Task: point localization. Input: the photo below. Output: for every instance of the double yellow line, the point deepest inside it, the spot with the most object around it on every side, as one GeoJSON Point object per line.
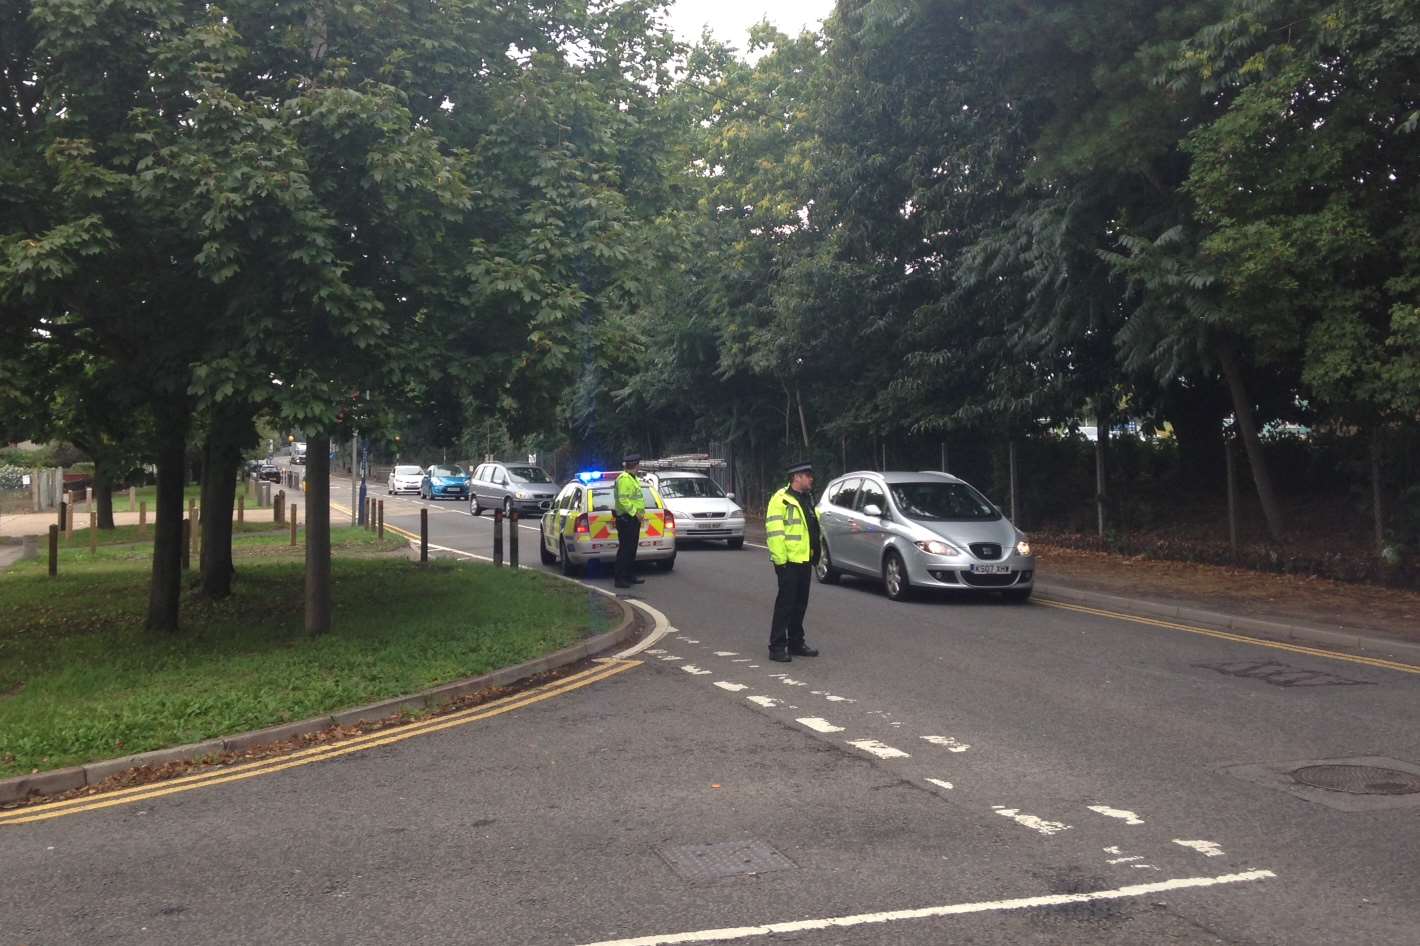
{"type": "Point", "coordinates": [237, 773]}
{"type": "Point", "coordinates": [1239, 638]}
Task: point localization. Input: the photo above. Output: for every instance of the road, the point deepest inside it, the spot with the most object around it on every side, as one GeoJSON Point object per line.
{"type": "Point", "coordinates": [948, 771]}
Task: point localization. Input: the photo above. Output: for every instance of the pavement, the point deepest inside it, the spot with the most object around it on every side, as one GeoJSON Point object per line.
{"type": "Point", "coordinates": [959, 770]}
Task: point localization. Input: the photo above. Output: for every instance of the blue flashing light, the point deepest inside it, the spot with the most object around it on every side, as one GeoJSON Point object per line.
{"type": "Point", "coordinates": [589, 476]}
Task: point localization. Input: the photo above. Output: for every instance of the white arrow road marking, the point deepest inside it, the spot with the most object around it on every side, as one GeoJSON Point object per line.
{"type": "Point", "coordinates": [947, 742]}
{"type": "Point", "coordinates": [765, 701]}
{"type": "Point", "coordinates": [732, 687]}
{"type": "Point", "coordinates": [691, 668]}
{"type": "Point", "coordinates": [923, 913]}
{"type": "Point", "coordinates": [819, 725]}
{"type": "Point", "coordinates": [1046, 828]}
{"type": "Point", "coordinates": [1128, 817]}
{"type": "Point", "coordinates": [1206, 848]}
{"type": "Point", "coordinates": [873, 747]}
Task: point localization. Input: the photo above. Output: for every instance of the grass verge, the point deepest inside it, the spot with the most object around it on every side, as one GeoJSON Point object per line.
{"type": "Point", "coordinates": [80, 680]}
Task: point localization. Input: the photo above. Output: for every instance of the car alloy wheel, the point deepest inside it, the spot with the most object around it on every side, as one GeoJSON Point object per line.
{"type": "Point", "coordinates": [547, 557]}
{"type": "Point", "coordinates": [568, 568]}
{"type": "Point", "coordinates": [895, 577]}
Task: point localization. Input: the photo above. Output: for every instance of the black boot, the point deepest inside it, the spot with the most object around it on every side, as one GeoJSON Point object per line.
{"type": "Point", "coordinates": [779, 654]}
{"type": "Point", "coordinates": [801, 649]}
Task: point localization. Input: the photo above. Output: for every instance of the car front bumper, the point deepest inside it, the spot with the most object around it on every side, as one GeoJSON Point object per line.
{"type": "Point", "coordinates": [449, 492]}
{"type": "Point", "coordinates": [954, 573]}
{"type": "Point", "coordinates": [688, 528]}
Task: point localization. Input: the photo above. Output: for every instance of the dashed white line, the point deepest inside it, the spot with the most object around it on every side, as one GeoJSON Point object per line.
{"type": "Point", "coordinates": [1046, 828]}
{"type": "Point", "coordinates": [726, 653]}
{"type": "Point", "coordinates": [732, 687]}
{"type": "Point", "coordinates": [1206, 848]}
{"type": "Point", "coordinates": [768, 702]}
{"type": "Point", "coordinates": [792, 683]}
{"type": "Point", "coordinates": [742, 660]}
{"type": "Point", "coordinates": [818, 724]}
{"type": "Point", "coordinates": [671, 657]}
{"type": "Point", "coordinates": [922, 913]}
{"type": "Point", "coordinates": [882, 751]}
{"type": "Point", "coordinates": [1128, 817]}
{"type": "Point", "coordinates": [692, 669]}
{"type": "Point", "coordinates": [947, 742]}
{"type": "Point", "coordinates": [940, 783]}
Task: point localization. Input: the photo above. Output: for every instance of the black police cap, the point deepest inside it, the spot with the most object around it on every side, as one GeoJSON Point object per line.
{"type": "Point", "coordinates": [799, 468]}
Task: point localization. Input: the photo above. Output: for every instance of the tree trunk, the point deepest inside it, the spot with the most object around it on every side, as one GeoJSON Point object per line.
{"type": "Point", "coordinates": [1103, 419]}
{"type": "Point", "coordinates": [222, 456]}
{"type": "Point", "coordinates": [1252, 444]}
{"type": "Point", "coordinates": [103, 492]}
{"type": "Point", "coordinates": [165, 589]}
{"type": "Point", "coordinates": [318, 535]}
{"type": "Point", "coordinates": [803, 424]}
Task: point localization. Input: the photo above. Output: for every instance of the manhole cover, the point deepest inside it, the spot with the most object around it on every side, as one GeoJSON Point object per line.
{"type": "Point", "coordinates": [1358, 779]}
{"type": "Point", "coordinates": [728, 859]}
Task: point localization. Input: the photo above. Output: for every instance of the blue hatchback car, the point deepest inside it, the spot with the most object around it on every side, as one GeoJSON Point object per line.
{"type": "Point", "coordinates": [444, 481]}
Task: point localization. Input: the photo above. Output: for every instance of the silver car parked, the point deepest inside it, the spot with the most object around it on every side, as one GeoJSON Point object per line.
{"type": "Point", "coordinates": [520, 486]}
{"type": "Point", "coordinates": [920, 530]}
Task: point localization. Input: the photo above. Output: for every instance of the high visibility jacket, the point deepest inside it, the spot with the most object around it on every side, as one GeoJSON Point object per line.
{"type": "Point", "coordinates": [786, 529]}
{"type": "Point", "coordinates": [630, 501]}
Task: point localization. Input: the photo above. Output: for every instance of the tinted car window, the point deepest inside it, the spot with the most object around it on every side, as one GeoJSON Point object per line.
{"type": "Point", "coordinates": [604, 498]}
{"type": "Point", "coordinates": [407, 471]}
{"type": "Point", "coordinates": [845, 494]}
{"type": "Point", "coordinates": [870, 494]}
{"type": "Point", "coordinates": [446, 471]}
{"type": "Point", "coordinates": [529, 474]}
{"type": "Point", "coordinates": [690, 487]}
{"type": "Point", "coordinates": [939, 502]}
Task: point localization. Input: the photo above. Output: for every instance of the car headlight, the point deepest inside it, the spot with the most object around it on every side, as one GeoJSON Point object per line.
{"type": "Point", "coordinates": [1022, 547]}
{"type": "Point", "coordinates": [521, 494]}
{"type": "Point", "coordinates": [936, 547]}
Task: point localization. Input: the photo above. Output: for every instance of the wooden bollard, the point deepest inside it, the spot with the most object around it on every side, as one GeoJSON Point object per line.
{"type": "Point", "coordinates": [380, 514]}
{"type": "Point", "coordinates": [142, 517]}
{"type": "Point", "coordinates": [513, 539]}
{"type": "Point", "coordinates": [241, 509]}
{"type": "Point", "coordinates": [186, 544]}
{"type": "Point", "coordinates": [132, 498]}
{"type": "Point", "coordinates": [197, 533]}
{"type": "Point", "coordinates": [93, 532]}
{"type": "Point", "coordinates": [53, 550]}
{"type": "Point", "coordinates": [278, 507]}
{"type": "Point", "coordinates": [498, 537]}
{"type": "Point", "coordinates": [63, 512]}
{"type": "Point", "coordinates": [370, 514]}
{"type": "Point", "coordinates": [423, 533]}
{"type": "Point", "coordinates": [295, 514]}
{"type": "Point", "coordinates": [69, 523]}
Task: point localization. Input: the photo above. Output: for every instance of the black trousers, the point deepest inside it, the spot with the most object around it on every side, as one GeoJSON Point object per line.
{"type": "Point", "coordinates": [790, 604]}
{"type": "Point", "coordinates": [628, 537]}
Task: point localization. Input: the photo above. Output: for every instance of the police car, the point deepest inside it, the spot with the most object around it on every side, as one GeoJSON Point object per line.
{"type": "Point", "coordinates": [581, 525]}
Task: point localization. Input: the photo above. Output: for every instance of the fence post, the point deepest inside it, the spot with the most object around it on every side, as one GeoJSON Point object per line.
{"type": "Point", "coordinates": [69, 521]}
{"type": "Point", "coordinates": [241, 509]}
{"type": "Point", "coordinates": [63, 508]}
{"type": "Point", "coordinates": [380, 512]}
{"type": "Point", "coordinates": [53, 550]}
{"type": "Point", "coordinates": [186, 544]}
{"type": "Point", "coordinates": [423, 534]}
{"type": "Point", "coordinates": [513, 539]}
{"type": "Point", "coordinates": [132, 498]}
{"type": "Point", "coordinates": [295, 514]}
{"type": "Point", "coordinates": [93, 532]}
{"type": "Point", "coordinates": [143, 517]}
{"type": "Point", "coordinates": [498, 536]}
{"type": "Point", "coordinates": [278, 507]}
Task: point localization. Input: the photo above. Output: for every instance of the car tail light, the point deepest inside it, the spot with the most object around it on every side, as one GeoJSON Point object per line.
{"type": "Point", "coordinates": [670, 520]}
{"type": "Point", "coordinates": [583, 526]}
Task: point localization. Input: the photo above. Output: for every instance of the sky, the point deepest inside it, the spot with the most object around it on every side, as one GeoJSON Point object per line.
{"type": "Point", "coordinates": [730, 20]}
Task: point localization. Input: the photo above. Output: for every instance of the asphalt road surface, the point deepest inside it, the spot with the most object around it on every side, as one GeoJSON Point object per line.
{"type": "Point", "coordinates": [948, 771]}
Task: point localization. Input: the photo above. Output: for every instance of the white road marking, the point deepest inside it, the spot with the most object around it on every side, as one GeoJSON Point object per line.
{"type": "Point", "coordinates": [831, 697]}
{"type": "Point", "coordinates": [1206, 848]}
{"type": "Point", "coordinates": [873, 747]}
{"type": "Point", "coordinates": [819, 725]}
{"type": "Point", "coordinates": [690, 640]}
{"type": "Point", "coordinates": [726, 653]}
{"type": "Point", "coordinates": [754, 666]}
{"type": "Point", "coordinates": [671, 657]}
{"type": "Point", "coordinates": [940, 784]}
{"type": "Point", "coordinates": [1128, 817]}
{"type": "Point", "coordinates": [1145, 867]}
{"type": "Point", "coordinates": [656, 650]}
{"type": "Point", "coordinates": [777, 676]}
{"type": "Point", "coordinates": [1046, 828]}
{"type": "Point", "coordinates": [1125, 860]}
{"type": "Point", "coordinates": [923, 913]}
{"type": "Point", "coordinates": [947, 742]}
{"type": "Point", "coordinates": [691, 668]}
{"type": "Point", "coordinates": [768, 702]}
{"type": "Point", "coordinates": [742, 660]}
{"type": "Point", "coordinates": [732, 687]}
{"type": "Point", "coordinates": [793, 683]}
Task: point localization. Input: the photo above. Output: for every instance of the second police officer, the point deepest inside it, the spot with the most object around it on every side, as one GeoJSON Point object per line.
{"type": "Point", "coordinates": [630, 508]}
{"type": "Point", "coordinates": [792, 533]}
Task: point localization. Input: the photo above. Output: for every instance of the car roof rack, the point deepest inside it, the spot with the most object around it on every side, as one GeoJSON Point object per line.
{"type": "Point", "coordinates": [688, 462]}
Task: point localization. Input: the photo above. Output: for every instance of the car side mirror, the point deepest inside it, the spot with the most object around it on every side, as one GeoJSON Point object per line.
{"type": "Point", "coordinates": [874, 510]}
{"type": "Point", "coordinates": [729, 495]}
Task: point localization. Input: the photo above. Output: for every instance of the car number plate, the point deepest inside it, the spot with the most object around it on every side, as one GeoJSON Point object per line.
{"type": "Point", "coordinates": [990, 569]}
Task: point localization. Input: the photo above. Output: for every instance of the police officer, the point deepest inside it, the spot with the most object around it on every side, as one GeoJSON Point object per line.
{"type": "Point", "coordinates": [791, 528]}
{"type": "Point", "coordinates": [630, 509]}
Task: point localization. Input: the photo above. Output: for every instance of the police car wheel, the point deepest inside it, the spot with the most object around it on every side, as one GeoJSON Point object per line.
{"type": "Point", "coordinates": [568, 567]}
{"type": "Point", "coordinates": [666, 564]}
{"type": "Point", "coordinates": [547, 557]}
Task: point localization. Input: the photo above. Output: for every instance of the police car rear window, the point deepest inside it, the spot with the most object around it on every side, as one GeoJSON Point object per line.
{"type": "Point", "coordinates": [604, 499]}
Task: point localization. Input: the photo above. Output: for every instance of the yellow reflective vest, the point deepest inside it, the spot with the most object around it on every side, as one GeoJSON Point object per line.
{"type": "Point", "coordinates": [630, 501]}
{"type": "Point", "coordinates": [786, 529]}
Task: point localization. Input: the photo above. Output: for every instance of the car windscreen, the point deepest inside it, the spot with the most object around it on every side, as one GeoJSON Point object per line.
{"type": "Point", "coordinates": [446, 471]}
{"type": "Point", "coordinates": [604, 498]}
{"type": "Point", "coordinates": [528, 474]}
{"type": "Point", "coordinates": [407, 471]}
{"type": "Point", "coordinates": [690, 487]}
{"type": "Point", "coordinates": [942, 502]}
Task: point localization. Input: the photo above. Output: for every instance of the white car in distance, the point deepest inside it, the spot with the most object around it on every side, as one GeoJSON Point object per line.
{"type": "Point", "coordinates": [404, 479]}
{"type": "Point", "coordinates": [702, 509]}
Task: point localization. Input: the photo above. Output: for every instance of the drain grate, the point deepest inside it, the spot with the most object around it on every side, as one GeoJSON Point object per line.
{"type": "Point", "coordinates": [1358, 779]}
{"type": "Point", "coordinates": [698, 862]}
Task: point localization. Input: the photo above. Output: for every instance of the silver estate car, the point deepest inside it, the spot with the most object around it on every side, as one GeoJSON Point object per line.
{"type": "Point", "coordinates": [920, 530]}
